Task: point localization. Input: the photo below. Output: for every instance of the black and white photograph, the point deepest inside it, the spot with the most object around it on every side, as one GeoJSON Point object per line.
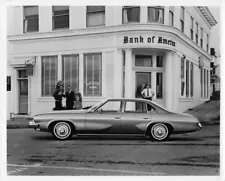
{"type": "Point", "coordinates": [112, 89]}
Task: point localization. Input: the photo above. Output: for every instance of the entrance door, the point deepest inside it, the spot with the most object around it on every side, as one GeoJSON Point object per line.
{"type": "Point", "coordinates": [142, 78]}
{"type": "Point", "coordinates": [23, 92]}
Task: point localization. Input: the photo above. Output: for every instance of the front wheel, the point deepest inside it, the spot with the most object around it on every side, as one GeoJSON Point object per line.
{"type": "Point", "coordinates": [159, 132]}
{"type": "Point", "coordinates": [62, 131]}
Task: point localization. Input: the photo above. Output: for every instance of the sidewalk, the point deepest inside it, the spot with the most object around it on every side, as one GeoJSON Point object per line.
{"type": "Point", "coordinates": [21, 122]}
{"type": "Point", "coordinates": [207, 113]}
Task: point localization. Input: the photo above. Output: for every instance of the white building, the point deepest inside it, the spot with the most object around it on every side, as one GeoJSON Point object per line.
{"type": "Point", "coordinates": [108, 51]}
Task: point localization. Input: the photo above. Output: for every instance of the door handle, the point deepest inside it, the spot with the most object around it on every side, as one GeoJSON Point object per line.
{"type": "Point", "coordinates": [145, 118]}
{"type": "Point", "coordinates": [117, 117]}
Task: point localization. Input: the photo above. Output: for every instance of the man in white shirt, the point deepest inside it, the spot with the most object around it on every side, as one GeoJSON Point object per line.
{"type": "Point", "coordinates": [147, 93]}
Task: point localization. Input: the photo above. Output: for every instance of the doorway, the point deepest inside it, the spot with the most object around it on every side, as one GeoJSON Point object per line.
{"type": "Point", "coordinates": [142, 78]}
{"type": "Point", "coordinates": [23, 91]}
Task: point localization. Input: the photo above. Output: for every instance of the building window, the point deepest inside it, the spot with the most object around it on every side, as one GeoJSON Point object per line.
{"type": "Point", "coordinates": [159, 85]}
{"type": "Point", "coordinates": [182, 67]}
{"type": "Point", "coordinates": [182, 19]}
{"type": "Point", "coordinates": [95, 16]}
{"type": "Point", "coordinates": [201, 81]}
{"type": "Point", "coordinates": [159, 61]}
{"type": "Point", "coordinates": [143, 60]}
{"type": "Point", "coordinates": [156, 14]}
{"type": "Point", "coordinates": [191, 29]}
{"type": "Point", "coordinates": [60, 17]}
{"type": "Point", "coordinates": [205, 83]}
{"type": "Point", "coordinates": [187, 78]}
{"type": "Point", "coordinates": [201, 37]}
{"type": "Point", "coordinates": [192, 79]}
{"type": "Point", "coordinates": [196, 33]}
{"type": "Point", "coordinates": [93, 74]}
{"type": "Point", "coordinates": [70, 71]}
{"type": "Point", "coordinates": [182, 76]}
{"type": "Point", "coordinates": [49, 74]}
{"type": "Point", "coordinates": [171, 16]}
{"type": "Point", "coordinates": [30, 19]}
{"type": "Point", "coordinates": [207, 45]}
{"type": "Point", "coordinates": [131, 14]}
{"type": "Point", "coordinates": [8, 83]}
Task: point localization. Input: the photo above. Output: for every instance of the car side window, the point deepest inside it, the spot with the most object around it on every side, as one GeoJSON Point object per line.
{"type": "Point", "coordinates": [151, 109]}
{"type": "Point", "coordinates": [135, 107]}
{"type": "Point", "coordinates": [110, 106]}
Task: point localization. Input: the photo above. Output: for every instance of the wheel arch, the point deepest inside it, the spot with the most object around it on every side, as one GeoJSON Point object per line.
{"type": "Point", "coordinates": [149, 126]}
{"type": "Point", "coordinates": [53, 122]}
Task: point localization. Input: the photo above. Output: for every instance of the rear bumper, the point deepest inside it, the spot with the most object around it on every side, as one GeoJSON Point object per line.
{"type": "Point", "coordinates": [32, 124]}
{"type": "Point", "coordinates": [199, 126]}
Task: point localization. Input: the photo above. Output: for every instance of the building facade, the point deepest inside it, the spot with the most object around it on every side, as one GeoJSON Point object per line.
{"type": "Point", "coordinates": [108, 51]}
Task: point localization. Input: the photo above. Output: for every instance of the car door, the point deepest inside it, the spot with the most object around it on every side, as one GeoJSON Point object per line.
{"type": "Point", "coordinates": [106, 119]}
{"type": "Point", "coordinates": [134, 117]}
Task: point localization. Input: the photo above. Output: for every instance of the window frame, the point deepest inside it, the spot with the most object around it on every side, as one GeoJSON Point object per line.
{"type": "Point", "coordinates": [187, 80]}
{"type": "Point", "coordinates": [42, 80]}
{"type": "Point", "coordinates": [100, 75]}
{"type": "Point", "coordinates": [63, 67]}
{"type": "Point", "coordinates": [191, 79]}
{"type": "Point", "coordinates": [143, 57]}
{"type": "Point", "coordinates": [207, 45]}
{"type": "Point", "coordinates": [182, 19]}
{"type": "Point", "coordinates": [100, 107]}
{"type": "Point", "coordinates": [95, 12]}
{"type": "Point", "coordinates": [31, 18]}
{"type": "Point", "coordinates": [201, 41]}
{"type": "Point", "coordinates": [171, 17]}
{"type": "Point", "coordinates": [135, 102]}
{"type": "Point", "coordinates": [159, 8]}
{"type": "Point", "coordinates": [8, 83]}
{"type": "Point", "coordinates": [162, 95]}
{"type": "Point", "coordinates": [196, 33]}
{"type": "Point", "coordinates": [54, 16]}
{"type": "Point", "coordinates": [130, 7]}
{"type": "Point", "coordinates": [192, 28]}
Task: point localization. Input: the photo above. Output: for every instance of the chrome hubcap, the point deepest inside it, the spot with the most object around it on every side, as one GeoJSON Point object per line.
{"type": "Point", "coordinates": [159, 131]}
{"type": "Point", "coordinates": [62, 130]}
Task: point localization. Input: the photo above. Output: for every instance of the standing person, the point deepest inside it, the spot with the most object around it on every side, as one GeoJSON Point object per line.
{"type": "Point", "coordinates": [143, 86]}
{"type": "Point", "coordinates": [77, 93]}
{"type": "Point", "coordinates": [58, 94]}
{"type": "Point", "coordinates": [147, 93]}
{"type": "Point", "coordinates": [70, 97]}
{"type": "Point", "coordinates": [139, 95]}
{"type": "Point", "coordinates": [77, 103]}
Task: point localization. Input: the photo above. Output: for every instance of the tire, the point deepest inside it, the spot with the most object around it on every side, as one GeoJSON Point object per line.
{"type": "Point", "coordinates": [62, 131]}
{"type": "Point", "coordinates": [159, 132]}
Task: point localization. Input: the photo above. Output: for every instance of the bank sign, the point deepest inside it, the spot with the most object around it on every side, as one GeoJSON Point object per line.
{"type": "Point", "coordinates": [146, 40]}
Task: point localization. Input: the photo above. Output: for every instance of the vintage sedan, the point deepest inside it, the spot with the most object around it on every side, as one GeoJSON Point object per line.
{"type": "Point", "coordinates": [138, 117]}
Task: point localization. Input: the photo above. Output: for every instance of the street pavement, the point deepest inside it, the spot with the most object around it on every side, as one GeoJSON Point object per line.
{"type": "Point", "coordinates": [31, 152]}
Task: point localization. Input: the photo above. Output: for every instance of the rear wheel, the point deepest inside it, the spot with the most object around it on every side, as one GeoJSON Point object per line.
{"type": "Point", "coordinates": [159, 132]}
{"type": "Point", "coordinates": [62, 131]}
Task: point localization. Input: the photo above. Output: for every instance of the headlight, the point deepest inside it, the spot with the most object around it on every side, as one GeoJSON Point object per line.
{"type": "Point", "coordinates": [200, 125]}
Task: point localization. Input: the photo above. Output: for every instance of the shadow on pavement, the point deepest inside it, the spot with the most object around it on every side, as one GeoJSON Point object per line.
{"type": "Point", "coordinates": [117, 138]}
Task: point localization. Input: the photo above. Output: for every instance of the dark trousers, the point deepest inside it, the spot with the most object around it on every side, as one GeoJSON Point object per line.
{"type": "Point", "coordinates": [58, 105]}
{"type": "Point", "coordinates": [69, 106]}
{"type": "Point", "coordinates": [149, 106]}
